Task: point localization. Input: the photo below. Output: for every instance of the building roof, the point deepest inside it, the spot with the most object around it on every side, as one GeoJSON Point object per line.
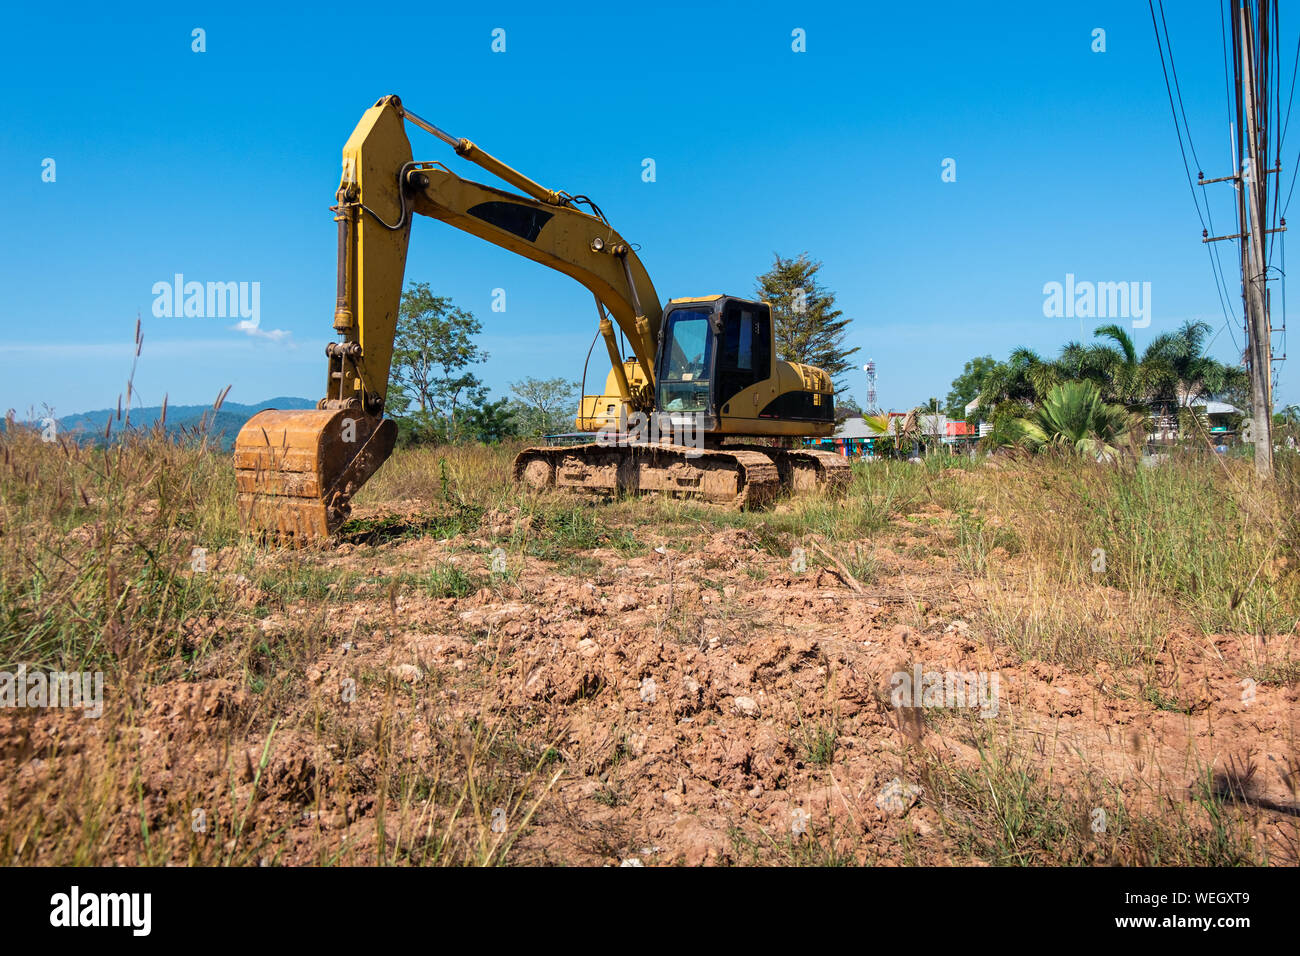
{"type": "Point", "coordinates": [1211, 407]}
{"type": "Point", "coordinates": [856, 427]}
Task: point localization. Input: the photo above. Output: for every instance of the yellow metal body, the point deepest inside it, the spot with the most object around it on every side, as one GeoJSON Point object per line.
{"type": "Point", "coordinates": [296, 471]}
{"type": "Point", "coordinates": [604, 410]}
{"type": "Point", "coordinates": [563, 241]}
{"type": "Point", "coordinates": [373, 155]}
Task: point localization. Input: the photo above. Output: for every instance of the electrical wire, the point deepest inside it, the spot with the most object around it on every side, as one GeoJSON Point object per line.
{"type": "Point", "coordinates": [590, 349]}
{"type": "Point", "coordinates": [1220, 286]}
{"type": "Point", "coordinates": [1287, 124]}
{"type": "Point", "coordinates": [1216, 264]}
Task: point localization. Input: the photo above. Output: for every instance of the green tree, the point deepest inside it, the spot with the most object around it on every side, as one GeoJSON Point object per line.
{"type": "Point", "coordinates": [1112, 365]}
{"type": "Point", "coordinates": [432, 352]}
{"type": "Point", "coordinates": [886, 445]}
{"type": "Point", "coordinates": [544, 406]}
{"type": "Point", "coordinates": [806, 325]}
{"type": "Point", "coordinates": [1020, 380]}
{"type": "Point", "coordinates": [968, 385]}
{"type": "Point", "coordinates": [846, 406]}
{"type": "Point", "coordinates": [1172, 373]}
{"type": "Point", "coordinates": [490, 422]}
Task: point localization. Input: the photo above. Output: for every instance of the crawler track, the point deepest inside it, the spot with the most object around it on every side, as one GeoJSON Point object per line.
{"type": "Point", "coordinates": [804, 469]}
{"type": "Point", "coordinates": [741, 476]}
{"type": "Point", "coordinates": [738, 478]}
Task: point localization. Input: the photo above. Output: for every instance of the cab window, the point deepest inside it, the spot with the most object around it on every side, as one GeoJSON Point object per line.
{"type": "Point", "coordinates": [688, 353]}
{"type": "Point", "coordinates": [745, 356]}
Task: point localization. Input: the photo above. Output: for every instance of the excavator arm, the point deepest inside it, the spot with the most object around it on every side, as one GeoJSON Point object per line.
{"type": "Point", "coordinates": [296, 471]}
{"type": "Point", "coordinates": [382, 187]}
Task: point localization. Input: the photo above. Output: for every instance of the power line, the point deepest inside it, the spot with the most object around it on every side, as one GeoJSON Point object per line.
{"type": "Point", "coordinates": [1216, 266]}
{"type": "Point", "coordinates": [1281, 125]}
{"type": "Point", "coordinates": [1177, 89]}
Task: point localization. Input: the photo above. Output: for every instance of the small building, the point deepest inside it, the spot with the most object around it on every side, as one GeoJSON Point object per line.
{"type": "Point", "coordinates": [854, 438]}
{"type": "Point", "coordinates": [1222, 417]}
{"type": "Point", "coordinates": [941, 433]}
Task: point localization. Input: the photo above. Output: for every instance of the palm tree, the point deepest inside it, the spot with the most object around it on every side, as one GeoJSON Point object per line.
{"type": "Point", "coordinates": [1172, 371]}
{"type": "Point", "coordinates": [905, 430]}
{"type": "Point", "coordinates": [908, 428]}
{"type": "Point", "coordinates": [1179, 371]}
{"type": "Point", "coordinates": [1021, 379]}
{"type": "Point", "coordinates": [1118, 366]}
{"type": "Point", "coordinates": [1075, 416]}
{"type": "Point", "coordinates": [1176, 373]}
{"type": "Point", "coordinates": [879, 423]}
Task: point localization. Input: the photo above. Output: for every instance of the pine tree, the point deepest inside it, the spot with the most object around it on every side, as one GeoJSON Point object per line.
{"type": "Point", "coordinates": [806, 325]}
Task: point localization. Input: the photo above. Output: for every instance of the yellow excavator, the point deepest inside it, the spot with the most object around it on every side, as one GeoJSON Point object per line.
{"type": "Point", "coordinates": [702, 408]}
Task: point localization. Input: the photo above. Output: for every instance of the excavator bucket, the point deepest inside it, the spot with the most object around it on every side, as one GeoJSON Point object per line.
{"type": "Point", "coordinates": [296, 471]}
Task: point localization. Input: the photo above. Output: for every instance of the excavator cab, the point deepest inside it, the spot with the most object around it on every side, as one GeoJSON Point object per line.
{"type": "Point", "coordinates": [713, 350]}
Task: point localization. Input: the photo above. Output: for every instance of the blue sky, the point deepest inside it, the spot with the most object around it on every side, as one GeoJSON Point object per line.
{"type": "Point", "coordinates": [222, 165]}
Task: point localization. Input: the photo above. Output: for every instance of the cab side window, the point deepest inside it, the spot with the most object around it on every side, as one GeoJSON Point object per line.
{"type": "Point", "coordinates": [746, 354]}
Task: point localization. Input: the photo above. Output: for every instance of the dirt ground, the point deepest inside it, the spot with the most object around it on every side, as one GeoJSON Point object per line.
{"type": "Point", "coordinates": [706, 699]}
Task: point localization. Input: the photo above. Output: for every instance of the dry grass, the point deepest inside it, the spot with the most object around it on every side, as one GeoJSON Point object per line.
{"type": "Point", "coordinates": [99, 572]}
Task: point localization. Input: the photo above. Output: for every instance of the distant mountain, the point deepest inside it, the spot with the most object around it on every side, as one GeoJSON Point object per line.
{"type": "Point", "coordinates": [176, 414]}
{"type": "Point", "coordinates": [223, 425]}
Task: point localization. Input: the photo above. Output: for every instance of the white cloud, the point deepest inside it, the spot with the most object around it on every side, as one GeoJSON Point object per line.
{"type": "Point", "coordinates": [253, 328]}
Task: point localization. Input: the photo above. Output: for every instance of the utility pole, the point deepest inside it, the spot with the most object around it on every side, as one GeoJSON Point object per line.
{"type": "Point", "coordinates": [1259, 352]}
{"type": "Point", "coordinates": [1251, 183]}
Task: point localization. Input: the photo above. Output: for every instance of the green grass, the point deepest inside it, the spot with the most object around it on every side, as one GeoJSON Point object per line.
{"type": "Point", "coordinates": [1281, 674]}
{"type": "Point", "coordinates": [563, 529]}
{"type": "Point", "coordinates": [448, 581]}
{"type": "Point", "coordinates": [819, 743]}
{"type": "Point", "coordinates": [977, 540]}
{"type": "Point", "coordinates": [446, 522]}
{"type": "Point", "coordinates": [95, 558]}
{"type": "Point", "coordinates": [823, 843]}
{"type": "Point", "coordinates": [1198, 531]}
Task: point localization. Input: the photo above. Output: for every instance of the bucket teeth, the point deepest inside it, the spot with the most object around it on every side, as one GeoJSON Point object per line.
{"type": "Point", "coordinates": [296, 471]}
